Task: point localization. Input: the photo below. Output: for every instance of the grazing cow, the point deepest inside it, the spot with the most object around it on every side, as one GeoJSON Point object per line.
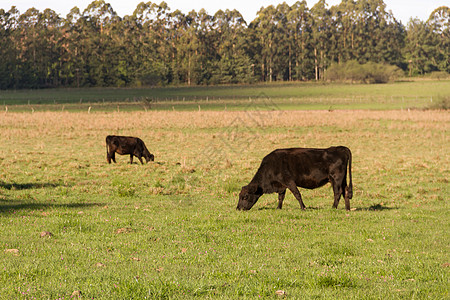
{"type": "Point", "coordinates": [127, 145]}
{"type": "Point", "coordinates": [307, 168]}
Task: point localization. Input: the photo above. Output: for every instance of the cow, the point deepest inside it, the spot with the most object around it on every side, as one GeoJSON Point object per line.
{"type": "Point", "coordinates": [127, 145]}
{"type": "Point", "coordinates": [300, 167]}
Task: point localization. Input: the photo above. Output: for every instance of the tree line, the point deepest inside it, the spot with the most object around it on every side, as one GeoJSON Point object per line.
{"type": "Point", "coordinates": [158, 46]}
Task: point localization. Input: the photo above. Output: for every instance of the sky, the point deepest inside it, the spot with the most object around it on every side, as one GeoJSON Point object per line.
{"type": "Point", "coordinates": [403, 10]}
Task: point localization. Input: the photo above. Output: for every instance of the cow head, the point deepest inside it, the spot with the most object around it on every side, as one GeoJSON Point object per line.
{"type": "Point", "coordinates": [248, 196]}
{"type": "Point", "coordinates": [148, 156]}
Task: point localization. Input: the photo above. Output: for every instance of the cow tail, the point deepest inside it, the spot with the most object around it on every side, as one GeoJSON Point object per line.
{"type": "Point", "coordinates": [107, 149]}
{"type": "Point", "coordinates": [350, 185]}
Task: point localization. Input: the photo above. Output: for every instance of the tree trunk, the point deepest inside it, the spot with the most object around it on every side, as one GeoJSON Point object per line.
{"type": "Point", "coordinates": [322, 64]}
{"type": "Point", "coordinates": [263, 72]}
{"type": "Point", "coordinates": [290, 64]}
{"type": "Point", "coordinates": [316, 66]}
{"type": "Point", "coordinates": [189, 70]}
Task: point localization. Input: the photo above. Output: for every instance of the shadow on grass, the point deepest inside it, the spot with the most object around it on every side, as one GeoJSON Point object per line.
{"type": "Point", "coordinates": [9, 206]}
{"type": "Point", "coordinates": [267, 207]}
{"type": "Point", "coordinates": [137, 162]}
{"type": "Point", "coordinates": [28, 186]}
{"type": "Point", "coordinates": [376, 207]}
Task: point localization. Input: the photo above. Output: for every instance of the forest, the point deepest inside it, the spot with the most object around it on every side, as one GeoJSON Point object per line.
{"type": "Point", "coordinates": [158, 46]}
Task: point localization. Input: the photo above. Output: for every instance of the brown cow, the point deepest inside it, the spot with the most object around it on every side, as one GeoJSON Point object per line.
{"type": "Point", "coordinates": [127, 145]}
{"type": "Point", "coordinates": [307, 168]}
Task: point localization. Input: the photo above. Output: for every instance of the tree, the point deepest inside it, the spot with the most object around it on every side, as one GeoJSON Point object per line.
{"type": "Point", "coordinates": [417, 49]}
{"type": "Point", "coordinates": [8, 52]}
{"type": "Point", "coordinates": [321, 36]}
{"type": "Point", "coordinates": [380, 36]}
{"type": "Point", "coordinates": [150, 34]}
{"type": "Point", "coordinates": [99, 49]}
{"type": "Point", "coordinates": [269, 32]}
{"type": "Point", "coordinates": [439, 22]}
{"type": "Point", "coordinates": [365, 31]}
{"type": "Point", "coordinates": [155, 46]}
{"type": "Point", "coordinates": [232, 63]}
{"type": "Point", "coordinates": [344, 18]}
{"type": "Point", "coordinates": [301, 63]}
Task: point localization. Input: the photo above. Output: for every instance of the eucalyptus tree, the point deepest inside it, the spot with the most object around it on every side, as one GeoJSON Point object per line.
{"type": "Point", "coordinates": [177, 24]}
{"type": "Point", "coordinates": [205, 51]}
{"type": "Point", "coordinates": [282, 64]}
{"type": "Point", "coordinates": [439, 23]}
{"type": "Point", "coordinates": [152, 43]}
{"type": "Point", "coordinates": [427, 46]}
{"type": "Point", "coordinates": [321, 32]}
{"type": "Point", "coordinates": [51, 34]}
{"type": "Point", "coordinates": [380, 36]}
{"type": "Point", "coordinates": [230, 44]}
{"type": "Point", "coordinates": [344, 18]}
{"type": "Point", "coordinates": [300, 63]}
{"type": "Point", "coordinates": [73, 53]}
{"type": "Point", "coordinates": [187, 48]}
{"type": "Point", "coordinates": [417, 50]}
{"type": "Point", "coordinates": [365, 31]}
{"type": "Point", "coordinates": [99, 48]}
{"type": "Point", "coordinates": [155, 46]}
{"type": "Point", "coordinates": [36, 39]}
{"type": "Point", "coordinates": [265, 31]}
{"type": "Point", "coordinates": [28, 44]}
{"type": "Point", "coordinates": [8, 48]}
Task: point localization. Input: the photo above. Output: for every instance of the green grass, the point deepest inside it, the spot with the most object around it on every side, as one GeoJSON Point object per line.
{"type": "Point", "coordinates": [408, 94]}
{"type": "Point", "coordinates": [169, 229]}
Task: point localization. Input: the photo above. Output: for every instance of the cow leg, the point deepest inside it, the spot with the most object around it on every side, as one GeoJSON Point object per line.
{"type": "Point", "coordinates": [108, 158]}
{"type": "Point", "coordinates": [113, 156]}
{"type": "Point", "coordinates": [345, 193]}
{"type": "Point", "coordinates": [281, 198]}
{"type": "Point", "coordinates": [131, 158]}
{"type": "Point", "coordinates": [347, 202]}
{"type": "Point", "coordinates": [338, 190]}
{"type": "Point", "coordinates": [140, 159]}
{"type": "Point", "coordinates": [294, 190]}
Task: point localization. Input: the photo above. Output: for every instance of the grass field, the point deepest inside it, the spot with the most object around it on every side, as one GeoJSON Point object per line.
{"type": "Point", "coordinates": [286, 96]}
{"type": "Point", "coordinates": [169, 229]}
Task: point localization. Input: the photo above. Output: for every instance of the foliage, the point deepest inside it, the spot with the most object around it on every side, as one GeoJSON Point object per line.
{"type": "Point", "coordinates": [439, 75]}
{"type": "Point", "coordinates": [364, 73]}
{"type": "Point", "coordinates": [427, 43]}
{"type": "Point", "coordinates": [442, 102]}
{"type": "Point", "coordinates": [156, 46]}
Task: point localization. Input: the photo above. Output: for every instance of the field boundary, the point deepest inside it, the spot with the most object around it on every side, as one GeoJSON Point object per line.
{"type": "Point", "coordinates": [146, 104]}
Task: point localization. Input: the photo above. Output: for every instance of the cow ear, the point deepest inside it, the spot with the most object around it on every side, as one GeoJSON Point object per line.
{"type": "Point", "coordinates": [250, 189]}
{"type": "Point", "coordinates": [254, 189]}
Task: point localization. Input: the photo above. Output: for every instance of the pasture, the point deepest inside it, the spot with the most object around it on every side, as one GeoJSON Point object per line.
{"type": "Point", "coordinates": [285, 96]}
{"type": "Point", "coordinates": [169, 229]}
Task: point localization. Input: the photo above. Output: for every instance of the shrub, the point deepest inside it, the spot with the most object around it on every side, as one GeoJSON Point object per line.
{"type": "Point", "coordinates": [439, 75]}
{"type": "Point", "coordinates": [362, 73]}
{"type": "Point", "coordinates": [443, 102]}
